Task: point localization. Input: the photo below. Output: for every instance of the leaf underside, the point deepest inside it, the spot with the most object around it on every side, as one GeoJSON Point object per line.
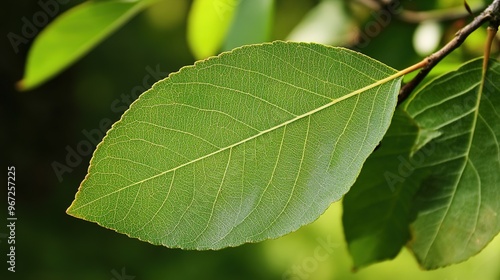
{"type": "Point", "coordinates": [246, 146]}
{"type": "Point", "coordinates": [377, 210]}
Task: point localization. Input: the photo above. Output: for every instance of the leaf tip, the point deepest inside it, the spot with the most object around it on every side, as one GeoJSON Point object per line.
{"type": "Point", "coordinates": [69, 210]}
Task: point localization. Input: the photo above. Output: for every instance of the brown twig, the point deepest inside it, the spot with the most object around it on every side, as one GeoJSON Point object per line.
{"type": "Point", "coordinates": [448, 14]}
{"type": "Point", "coordinates": [491, 13]}
{"type": "Point", "coordinates": [437, 15]}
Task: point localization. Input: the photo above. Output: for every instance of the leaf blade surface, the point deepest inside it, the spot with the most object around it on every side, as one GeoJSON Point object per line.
{"type": "Point", "coordinates": [377, 211]}
{"type": "Point", "coordinates": [242, 147]}
{"type": "Point", "coordinates": [73, 34]}
{"type": "Point", "coordinates": [459, 201]}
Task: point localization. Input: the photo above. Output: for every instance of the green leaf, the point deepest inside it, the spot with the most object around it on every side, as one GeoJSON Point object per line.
{"type": "Point", "coordinates": [242, 147]}
{"type": "Point", "coordinates": [377, 210]}
{"type": "Point", "coordinates": [208, 23]}
{"type": "Point", "coordinates": [251, 24]}
{"type": "Point", "coordinates": [459, 202]}
{"type": "Point", "coordinates": [71, 35]}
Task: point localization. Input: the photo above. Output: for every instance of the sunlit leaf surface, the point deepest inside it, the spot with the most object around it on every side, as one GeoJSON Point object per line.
{"type": "Point", "coordinates": [73, 34]}
{"type": "Point", "coordinates": [242, 147]}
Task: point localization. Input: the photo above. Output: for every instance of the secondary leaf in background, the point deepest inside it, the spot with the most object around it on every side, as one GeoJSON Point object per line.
{"type": "Point", "coordinates": [242, 147]}
{"type": "Point", "coordinates": [208, 23]}
{"type": "Point", "coordinates": [251, 24]}
{"type": "Point", "coordinates": [377, 210]}
{"type": "Point", "coordinates": [459, 203]}
{"type": "Point", "coordinates": [327, 23]}
{"type": "Point", "coordinates": [73, 34]}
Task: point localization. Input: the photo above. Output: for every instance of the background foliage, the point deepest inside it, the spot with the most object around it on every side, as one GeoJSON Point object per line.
{"type": "Point", "coordinates": [44, 124]}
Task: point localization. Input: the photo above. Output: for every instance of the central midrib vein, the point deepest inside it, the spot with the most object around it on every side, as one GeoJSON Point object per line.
{"type": "Point", "coordinates": [297, 118]}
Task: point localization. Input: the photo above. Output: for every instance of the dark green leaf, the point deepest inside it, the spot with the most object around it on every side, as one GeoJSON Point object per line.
{"type": "Point", "coordinates": [377, 210]}
{"type": "Point", "coordinates": [459, 202]}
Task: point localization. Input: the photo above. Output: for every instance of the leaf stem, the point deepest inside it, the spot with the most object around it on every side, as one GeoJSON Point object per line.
{"type": "Point", "coordinates": [491, 13]}
{"type": "Point", "coordinates": [414, 67]}
{"type": "Point", "coordinates": [492, 32]}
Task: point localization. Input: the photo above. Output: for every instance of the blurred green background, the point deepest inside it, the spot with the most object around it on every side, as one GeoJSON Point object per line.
{"type": "Point", "coordinates": [42, 125]}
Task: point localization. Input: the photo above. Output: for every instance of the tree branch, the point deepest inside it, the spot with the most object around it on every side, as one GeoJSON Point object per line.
{"type": "Point", "coordinates": [438, 15]}
{"type": "Point", "coordinates": [410, 16]}
{"type": "Point", "coordinates": [491, 13]}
